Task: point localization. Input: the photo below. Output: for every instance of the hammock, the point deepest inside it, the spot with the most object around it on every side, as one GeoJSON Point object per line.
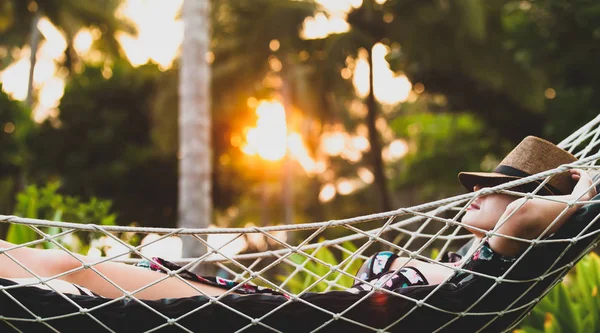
{"type": "Point", "coordinates": [312, 271]}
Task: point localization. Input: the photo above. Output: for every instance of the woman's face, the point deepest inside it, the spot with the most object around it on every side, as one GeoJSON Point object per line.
{"type": "Point", "coordinates": [486, 210]}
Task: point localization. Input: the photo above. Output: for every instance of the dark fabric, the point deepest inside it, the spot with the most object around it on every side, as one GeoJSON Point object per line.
{"type": "Point", "coordinates": [464, 292]}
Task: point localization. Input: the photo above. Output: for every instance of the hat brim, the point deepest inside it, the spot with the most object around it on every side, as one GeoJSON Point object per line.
{"type": "Point", "coordinates": [489, 179]}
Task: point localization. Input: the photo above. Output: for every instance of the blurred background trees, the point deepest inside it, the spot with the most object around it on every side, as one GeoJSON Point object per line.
{"type": "Point", "coordinates": [455, 84]}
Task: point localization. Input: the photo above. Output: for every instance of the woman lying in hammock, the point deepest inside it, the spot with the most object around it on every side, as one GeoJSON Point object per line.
{"type": "Point", "coordinates": [516, 216]}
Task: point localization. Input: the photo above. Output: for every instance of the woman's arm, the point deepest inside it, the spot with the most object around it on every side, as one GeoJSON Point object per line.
{"type": "Point", "coordinates": [530, 218]}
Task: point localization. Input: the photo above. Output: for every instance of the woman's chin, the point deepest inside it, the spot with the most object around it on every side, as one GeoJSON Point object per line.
{"type": "Point", "coordinates": [469, 217]}
{"type": "Point", "coordinates": [470, 220]}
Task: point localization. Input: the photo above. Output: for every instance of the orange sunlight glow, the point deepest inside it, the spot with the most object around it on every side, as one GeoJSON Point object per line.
{"type": "Point", "coordinates": [299, 152]}
{"type": "Point", "coordinates": [268, 138]}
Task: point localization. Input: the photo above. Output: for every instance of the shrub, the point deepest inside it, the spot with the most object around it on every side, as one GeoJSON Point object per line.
{"type": "Point", "coordinates": [572, 306]}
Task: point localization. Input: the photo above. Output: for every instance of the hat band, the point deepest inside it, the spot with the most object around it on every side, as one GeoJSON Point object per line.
{"type": "Point", "coordinates": [513, 172]}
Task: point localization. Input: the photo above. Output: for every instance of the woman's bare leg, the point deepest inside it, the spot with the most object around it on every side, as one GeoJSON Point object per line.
{"type": "Point", "coordinates": [48, 263]}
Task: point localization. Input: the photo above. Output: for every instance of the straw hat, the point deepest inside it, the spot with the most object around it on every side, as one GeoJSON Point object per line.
{"type": "Point", "coordinates": [531, 156]}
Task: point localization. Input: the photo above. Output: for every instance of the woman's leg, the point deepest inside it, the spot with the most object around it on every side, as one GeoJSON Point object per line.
{"type": "Point", "coordinates": [48, 263]}
{"type": "Point", "coordinates": [34, 259]}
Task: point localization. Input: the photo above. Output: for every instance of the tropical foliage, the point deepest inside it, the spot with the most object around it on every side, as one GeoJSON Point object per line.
{"type": "Point", "coordinates": [572, 306]}
{"type": "Point", "coordinates": [317, 276]}
{"type": "Point", "coordinates": [17, 18]}
{"type": "Point", "coordinates": [45, 203]}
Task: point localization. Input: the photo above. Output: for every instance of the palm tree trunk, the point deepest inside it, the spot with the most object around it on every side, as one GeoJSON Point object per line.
{"type": "Point", "coordinates": [33, 46]}
{"type": "Point", "coordinates": [374, 139]}
{"type": "Point", "coordinates": [195, 169]}
{"type": "Point", "coordinates": [287, 183]}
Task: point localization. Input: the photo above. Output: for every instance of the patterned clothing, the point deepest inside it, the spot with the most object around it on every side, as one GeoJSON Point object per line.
{"type": "Point", "coordinates": [376, 271]}
{"type": "Point", "coordinates": [215, 281]}
{"type": "Point", "coordinates": [485, 260]}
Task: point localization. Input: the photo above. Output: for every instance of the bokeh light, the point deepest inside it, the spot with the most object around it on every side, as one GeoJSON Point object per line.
{"type": "Point", "coordinates": [268, 138]}
{"type": "Point", "coordinates": [389, 88]}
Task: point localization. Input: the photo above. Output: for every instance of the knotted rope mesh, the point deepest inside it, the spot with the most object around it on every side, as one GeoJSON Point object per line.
{"type": "Point", "coordinates": [316, 257]}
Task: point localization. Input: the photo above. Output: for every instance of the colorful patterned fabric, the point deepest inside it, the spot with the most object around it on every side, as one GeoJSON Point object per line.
{"type": "Point", "coordinates": [215, 281]}
{"type": "Point", "coordinates": [376, 271]}
{"type": "Point", "coordinates": [375, 265]}
{"type": "Point", "coordinates": [485, 260]}
{"type": "Point", "coordinates": [406, 277]}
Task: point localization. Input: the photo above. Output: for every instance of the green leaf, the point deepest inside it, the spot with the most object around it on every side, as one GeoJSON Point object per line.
{"type": "Point", "coordinates": [589, 324]}
{"type": "Point", "coordinates": [325, 255]}
{"type": "Point", "coordinates": [567, 316]}
{"type": "Point", "coordinates": [551, 325]}
{"type": "Point", "coordinates": [308, 279]}
{"type": "Point", "coordinates": [297, 258]}
{"type": "Point", "coordinates": [293, 285]}
{"type": "Point", "coordinates": [350, 247]}
{"type": "Point", "coordinates": [53, 230]}
{"type": "Point", "coordinates": [19, 234]}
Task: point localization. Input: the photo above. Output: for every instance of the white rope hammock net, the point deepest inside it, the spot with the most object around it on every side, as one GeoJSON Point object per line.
{"type": "Point", "coordinates": [411, 232]}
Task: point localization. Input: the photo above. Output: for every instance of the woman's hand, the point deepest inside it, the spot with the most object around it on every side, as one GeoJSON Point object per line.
{"type": "Point", "coordinates": [583, 190]}
{"type": "Point", "coordinates": [532, 218]}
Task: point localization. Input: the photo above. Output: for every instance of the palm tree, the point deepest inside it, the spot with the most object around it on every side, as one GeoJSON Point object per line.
{"type": "Point", "coordinates": [195, 167]}
{"type": "Point", "coordinates": [69, 16]}
{"type": "Point", "coordinates": [241, 33]}
{"type": "Point", "coordinates": [367, 28]}
{"type": "Point", "coordinates": [312, 81]}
